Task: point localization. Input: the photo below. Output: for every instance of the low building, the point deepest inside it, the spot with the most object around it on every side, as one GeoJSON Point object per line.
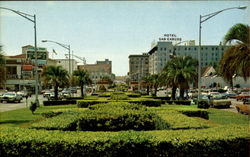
{"type": "Point", "coordinates": [20, 73]}
{"type": "Point", "coordinates": [138, 66]}
{"type": "Point", "coordinates": [99, 70]}
{"type": "Point", "coordinates": [65, 64]}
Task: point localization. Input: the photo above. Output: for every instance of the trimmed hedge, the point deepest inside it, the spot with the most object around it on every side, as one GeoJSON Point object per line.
{"type": "Point", "coordinates": [179, 102]}
{"type": "Point", "coordinates": [146, 102]}
{"type": "Point", "coordinates": [104, 117]}
{"type": "Point", "coordinates": [66, 121]}
{"type": "Point", "coordinates": [230, 141]}
{"type": "Point", "coordinates": [162, 98]}
{"type": "Point", "coordinates": [178, 121]}
{"type": "Point", "coordinates": [203, 104]}
{"type": "Point", "coordinates": [59, 102]}
{"type": "Point", "coordinates": [196, 113]}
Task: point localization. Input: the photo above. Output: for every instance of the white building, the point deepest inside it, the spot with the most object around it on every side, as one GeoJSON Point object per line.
{"type": "Point", "coordinates": [162, 50]}
{"type": "Point", "coordinates": [65, 64]}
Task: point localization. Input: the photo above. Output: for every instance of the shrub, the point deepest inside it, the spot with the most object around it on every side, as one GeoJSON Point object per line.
{"type": "Point", "coordinates": [219, 141]}
{"type": "Point", "coordinates": [196, 113]}
{"type": "Point", "coordinates": [105, 94]}
{"type": "Point", "coordinates": [33, 106]}
{"type": "Point", "coordinates": [203, 104]}
{"type": "Point", "coordinates": [118, 96]}
{"type": "Point", "coordinates": [59, 102]}
{"type": "Point", "coordinates": [50, 114]}
{"type": "Point", "coordinates": [179, 102]}
{"type": "Point", "coordinates": [133, 95]}
{"type": "Point", "coordinates": [66, 121]}
{"type": "Point", "coordinates": [178, 121]}
{"type": "Point", "coordinates": [116, 120]}
{"type": "Point", "coordinates": [142, 101]}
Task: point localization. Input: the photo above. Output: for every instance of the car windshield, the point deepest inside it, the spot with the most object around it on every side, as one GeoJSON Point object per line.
{"type": "Point", "coordinates": [10, 94]}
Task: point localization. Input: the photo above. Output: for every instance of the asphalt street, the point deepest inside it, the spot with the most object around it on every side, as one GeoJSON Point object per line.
{"type": "Point", "coordinates": [13, 105]}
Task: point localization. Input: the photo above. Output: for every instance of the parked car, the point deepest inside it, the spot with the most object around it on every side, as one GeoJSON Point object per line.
{"type": "Point", "coordinates": [246, 101]}
{"type": "Point", "coordinates": [243, 95]}
{"type": "Point", "coordinates": [230, 94]}
{"type": "Point", "coordinates": [11, 97]}
{"type": "Point", "coordinates": [65, 94]}
{"type": "Point", "coordinates": [46, 93]}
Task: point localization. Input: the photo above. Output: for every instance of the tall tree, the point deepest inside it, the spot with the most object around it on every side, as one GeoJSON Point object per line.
{"type": "Point", "coordinates": [82, 79]}
{"type": "Point", "coordinates": [236, 59]}
{"type": "Point", "coordinates": [147, 81]}
{"type": "Point", "coordinates": [178, 73]}
{"type": "Point", "coordinates": [155, 81]}
{"type": "Point", "coordinates": [57, 76]}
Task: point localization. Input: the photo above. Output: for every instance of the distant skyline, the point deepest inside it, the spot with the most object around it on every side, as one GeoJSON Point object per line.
{"type": "Point", "coordinates": [113, 30]}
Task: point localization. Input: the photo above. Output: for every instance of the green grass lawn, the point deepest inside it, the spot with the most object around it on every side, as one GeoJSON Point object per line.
{"type": "Point", "coordinates": [23, 117]}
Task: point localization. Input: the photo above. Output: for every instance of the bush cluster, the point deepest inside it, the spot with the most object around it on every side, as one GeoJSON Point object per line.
{"type": "Point", "coordinates": [118, 96]}
{"type": "Point", "coordinates": [142, 101]}
{"type": "Point", "coordinates": [203, 104]}
{"type": "Point", "coordinates": [104, 117]}
{"type": "Point", "coordinates": [59, 102]}
{"type": "Point", "coordinates": [232, 141]}
{"type": "Point", "coordinates": [179, 102]}
{"type": "Point", "coordinates": [196, 113]}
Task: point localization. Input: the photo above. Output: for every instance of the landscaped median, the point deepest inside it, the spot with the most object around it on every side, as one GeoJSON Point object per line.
{"type": "Point", "coordinates": [142, 101]}
{"type": "Point", "coordinates": [125, 129]}
{"type": "Point", "coordinates": [218, 141]}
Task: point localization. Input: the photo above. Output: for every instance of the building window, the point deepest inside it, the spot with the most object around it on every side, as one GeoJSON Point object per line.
{"type": "Point", "coordinates": [222, 49]}
{"type": "Point", "coordinates": [202, 48]}
{"type": "Point", "coordinates": [169, 50]}
{"type": "Point", "coordinates": [195, 48]}
{"type": "Point", "coordinates": [212, 48]}
{"type": "Point", "coordinates": [185, 48]}
{"type": "Point", "coordinates": [165, 49]}
{"type": "Point", "coordinates": [189, 48]}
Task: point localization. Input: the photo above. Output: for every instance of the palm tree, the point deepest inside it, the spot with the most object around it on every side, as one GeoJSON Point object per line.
{"type": "Point", "coordinates": [82, 78]}
{"type": "Point", "coordinates": [57, 76]}
{"type": "Point", "coordinates": [155, 81]}
{"type": "Point", "coordinates": [147, 81]}
{"type": "Point", "coordinates": [236, 58]}
{"type": "Point", "coordinates": [178, 73]}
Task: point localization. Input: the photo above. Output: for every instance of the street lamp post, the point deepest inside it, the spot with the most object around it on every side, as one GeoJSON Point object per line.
{"type": "Point", "coordinates": [201, 20]}
{"type": "Point", "coordinates": [174, 48]}
{"type": "Point", "coordinates": [64, 46]}
{"type": "Point", "coordinates": [31, 18]}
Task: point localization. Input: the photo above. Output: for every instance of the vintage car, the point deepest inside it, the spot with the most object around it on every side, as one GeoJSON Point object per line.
{"type": "Point", "coordinates": [243, 95]}
{"type": "Point", "coordinates": [11, 97]}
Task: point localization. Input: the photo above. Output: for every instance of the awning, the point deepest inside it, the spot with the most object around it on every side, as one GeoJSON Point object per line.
{"type": "Point", "coordinates": [27, 67]}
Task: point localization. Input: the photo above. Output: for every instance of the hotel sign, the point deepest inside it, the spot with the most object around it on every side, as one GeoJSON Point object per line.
{"type": "Point", "coordinates": [170, 37]}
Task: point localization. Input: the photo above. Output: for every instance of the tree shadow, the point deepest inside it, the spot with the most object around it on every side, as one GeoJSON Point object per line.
{"type": "Point", "coordinates": [14, 121]}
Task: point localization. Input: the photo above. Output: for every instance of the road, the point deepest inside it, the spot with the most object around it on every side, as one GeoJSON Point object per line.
{"type": "Point", "coordinates": [13, 106]}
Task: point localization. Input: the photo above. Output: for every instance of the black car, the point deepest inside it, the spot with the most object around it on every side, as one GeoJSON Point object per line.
{"type": "Point", "coordinates": [246, 101]}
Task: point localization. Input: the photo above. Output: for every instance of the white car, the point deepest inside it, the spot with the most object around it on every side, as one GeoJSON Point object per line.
{"type": "Point", "coordinates": [11, 97]}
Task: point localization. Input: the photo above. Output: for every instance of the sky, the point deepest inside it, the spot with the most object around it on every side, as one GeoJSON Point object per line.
{"type": "Point", "coordinates": [114, 30]}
